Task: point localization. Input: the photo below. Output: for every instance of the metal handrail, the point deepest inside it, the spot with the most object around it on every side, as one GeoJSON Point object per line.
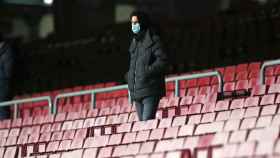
{"type": "Point", "coordinates": [121, 87]}
{"type": "Point", "coordinates": [92, 92]}
{"type": "Point", "coordinates": [264, 65]}
{"type": "Point", "coordinates": [195, 76]}
{"type": "Point", "coordinates": [20, 101]}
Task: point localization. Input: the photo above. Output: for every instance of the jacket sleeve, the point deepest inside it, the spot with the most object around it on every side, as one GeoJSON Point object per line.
{"type": "Point", "coordinates": [160, 63]}
{"type": "Point", "coordinates": [8, 62]}
{"type": "Point", "coordinates": [126, 74]}
{"type": "Point", "coordinates": [126, 77]}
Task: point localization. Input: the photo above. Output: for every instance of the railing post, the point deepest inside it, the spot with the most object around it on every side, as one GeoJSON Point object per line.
{"type": "Point", "coordinates": [221, 82]}
{"type": "Point", "coordinates": [93, 100]}
{"type": "Point", "coordinates": [264, 65]}
{"type": "Point", "coordinates": [51, 107]}
{"type": "Point", "coordinates": [129, 97]}
{"type": "Point", "coordinates": [177, 88]}
{"type": "Point", "coordinates": [262, 75]}
{"type": "Point", "coordinates": [15, 111]}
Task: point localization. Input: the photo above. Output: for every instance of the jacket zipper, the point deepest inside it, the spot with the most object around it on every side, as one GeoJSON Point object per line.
{"type": "Point", "coordinates": [134, 86]}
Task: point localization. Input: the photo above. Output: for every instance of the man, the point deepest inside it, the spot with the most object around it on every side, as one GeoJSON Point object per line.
{"type": "Point", "coordinates": [147, 67]}
{"type": "Point", "coordinates": [6, 65]}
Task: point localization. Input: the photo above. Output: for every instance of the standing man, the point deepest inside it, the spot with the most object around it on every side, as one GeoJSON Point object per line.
{"type": "Point", "coordinates": [148, 63]}
{"type": "Point", "coordinates": [6, 66]}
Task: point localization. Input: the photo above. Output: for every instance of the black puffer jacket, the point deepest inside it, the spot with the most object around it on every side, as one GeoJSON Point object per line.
{"type": "Point", "coordinates": [6, 61]}
{"type": "Point", "coordinates": [147, 67]}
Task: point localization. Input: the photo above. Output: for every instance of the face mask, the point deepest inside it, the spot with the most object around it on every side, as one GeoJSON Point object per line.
{"type": "Point", "coordinates": [135, 28]}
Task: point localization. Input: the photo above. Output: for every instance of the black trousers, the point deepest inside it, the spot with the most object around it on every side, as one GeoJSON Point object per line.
{"type": "Point", "coordinates": [147, 107]}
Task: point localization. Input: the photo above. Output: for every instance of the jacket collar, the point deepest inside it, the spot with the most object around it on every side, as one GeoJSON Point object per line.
{"type": "Point", "coordinates": [146, 42]}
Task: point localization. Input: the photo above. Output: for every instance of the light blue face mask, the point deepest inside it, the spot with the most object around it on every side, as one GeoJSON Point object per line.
{"type": "Point", "coordinates": [135, 28]}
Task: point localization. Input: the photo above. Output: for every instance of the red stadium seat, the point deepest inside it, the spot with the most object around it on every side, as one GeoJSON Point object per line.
{"type": "Point", "coordinates": [238, 136]}
{"type": "Point", "coordinates": [237, 103]}
{"type": "Point", "coordinates": [10, 152]}
{"type": "Point", "coordinates": [204, 90]}
{"type": "Point", "coordinates": [264, 121]}
{"type": "Point", "coordinates": [157, 134]}
{"type": "Point", "coordinates": [126, 127]}
{"type": "Point", "coordinates": [237, 114]}
{"type": "Point", "coordinates": [232, 125]}
{"type": "Point", "coordinates": [274, 88]}
{"type": "Point", "coordinates": [147, 147]}
{"type": "Point", "coordinates": [203, 81]}
{"type": "Point", "coordinates": [90, 153]}
{"type": "Point", "coordinates": [195, 109]}
{"type": "Point", "coordinates": [259, 90]}
{"type": "Point", "coordinates": [199, 99]}
{"type": "Point", "coordinates": [192, 91]}
{"type": "Point", "coordinates": [242, 85]}
{"type": "Point", "coordinates": [132, 149]}
{"type": "Point", "coordinates": [223, 115]}
{"type": "Point", "coordinates": [246, 149]}
{"type": "Point", "coordinates": [270, 80]}
{"type": "Point", "coordinates": [78, 124]}
{"type": "Point", "coordinates": [191, 83]}
{"type": "Point", "coordinates": [22, 140]}
{"type": "Point", "coordinates": [229, 87]}
{"type": "Point", "coordinates": [165, 123]}
{"type": "Point", "coordinates": [77, 143]}
{"type": "Point", "coordinates": [129, 138]}
{"type": "Point", "coordinates": [208, 117]}
{"type": "Point", "coordinates": [252, 112]}
{"type": "Point", "coordinates": [179, 121]}
{"type": "Point", "coordinates": [115, 139]}
{"type": "Point", "coordinates": [242, 75]}
{"type": "Point", "coordinates": [186, 130]}
{"type": "Point", "coordinates": [269, 110]}
{"type": "Point", "coordinates": [205, 140]}
{"type": "Point", "coordinates": [52, 146]}
{"type": "Point", "coordinates": [67, 125]}
{"type": "Point", "coordinates": [220, 138]}
{"type": "Point", "coordinates": [14, 132]}
{"type": "Point", "coordinates": [105, 152]}
{"type": "Point", "coordinates": [248, 123]}
{"type": "Point", "coordinates": [194, 119]}
{"type": "Point", "coordinates": [33, 138]}
{"type": "Point", "coordinates": [98, 141]}
{"type": "Point", "coordinates": [208, 107]}
{"type": "Point", "coordinates": [222, 105]}
{"type": "Point", "coordinates": [251, 101]}
{"type": "Point", "coordinates": [11, 141]}
{"type": "Point", "coordinates": [45, 137]}
{"type": "Point", "coordinates": [186, 100]}
{"type": "Point", "coordinates": [26, 121]}
{"type": "Point", "coordinates": [56, 136]}
{"type": "Point", "coordinates": [171, 132]}
{"type": "Point", "coordinates": [64, 145]}
{"type": "Point", "coordinates": [268, 99]}
{"type": "Point", "coordinates": [56, 127]}
{"type": "Point", "coordinates": [254, 66]}
{"type": "Point", "coordinates": [142, 136]}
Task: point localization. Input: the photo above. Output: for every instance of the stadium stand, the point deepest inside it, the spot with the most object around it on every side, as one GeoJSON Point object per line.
{"type": "Point", "coordinates": [198, 124]}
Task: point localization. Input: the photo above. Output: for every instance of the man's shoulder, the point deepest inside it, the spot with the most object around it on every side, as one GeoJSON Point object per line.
{"type": "Point", "coordinates": [156, 38]}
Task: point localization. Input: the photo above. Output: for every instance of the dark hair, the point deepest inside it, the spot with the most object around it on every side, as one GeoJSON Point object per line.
{"type": "Point", "coordinates": [143, 18]}
{"type": "Point", "coordinates": [146, 22]}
